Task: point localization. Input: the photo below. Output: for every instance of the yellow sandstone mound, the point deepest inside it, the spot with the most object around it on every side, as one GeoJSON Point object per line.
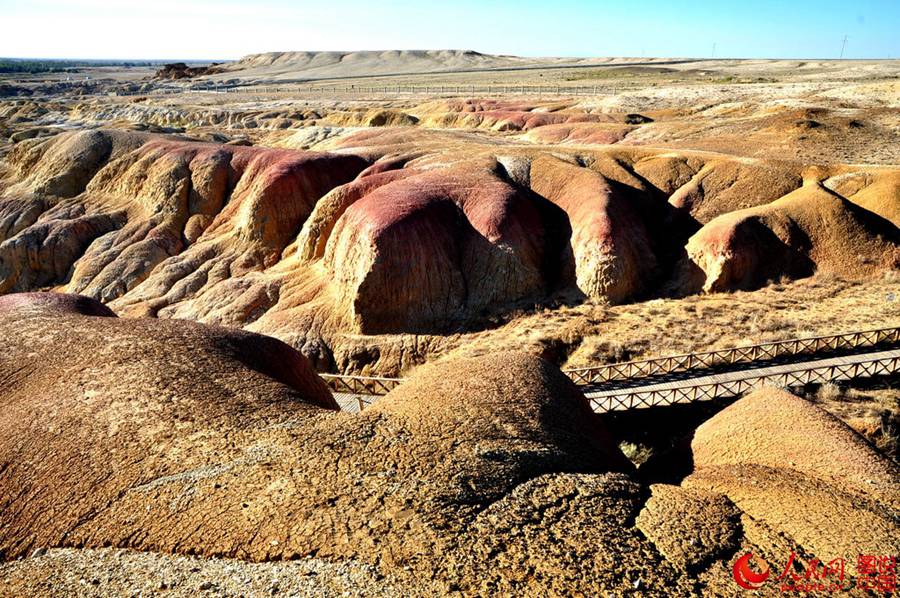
{"type": "Point", "coordinates": [799, 472]}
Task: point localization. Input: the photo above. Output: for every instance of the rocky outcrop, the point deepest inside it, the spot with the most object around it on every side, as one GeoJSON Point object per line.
{"type": "Point", "coordinates": [135, 209]}
{"type": "Point", "coordinates": [747, 433]}
{"type": "Point", "coordinates": [422, 245]}
{"type": "Point", "coordinates": [778, 477]}
{"type": "Point", "coordinates": [180, 70]}
{"type": "Point", "coordinates": [269, 195]}
{"type": "Point", "coordinates": [410, 230]}
{"type": "Point", "coordinates": [133, 401]}
{"type": "Point", "coordinates": [63, 165]}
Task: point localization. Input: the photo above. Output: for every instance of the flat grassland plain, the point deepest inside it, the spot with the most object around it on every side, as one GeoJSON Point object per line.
{"type": "Point", "coordinates": [470, 222]}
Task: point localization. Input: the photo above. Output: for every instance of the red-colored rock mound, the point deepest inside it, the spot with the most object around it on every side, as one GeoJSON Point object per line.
{"type": "Point", "coordinates": [438, 247]}
{"type": "Point", "coordinates": [612, 249]}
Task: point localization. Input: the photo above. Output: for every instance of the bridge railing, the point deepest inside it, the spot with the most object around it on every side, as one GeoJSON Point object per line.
{"type": "Point", "coordinates": [643, 368]}
{"type": "Point", "coordinates": [361, 385]}
{"type": "Point", "coordinates": [637, 399]}
{"type": "Point", "coordinates": [363, 390]}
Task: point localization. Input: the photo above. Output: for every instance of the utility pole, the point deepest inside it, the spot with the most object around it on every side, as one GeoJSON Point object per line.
{"type": "Point", "coordinates": [843, 45]}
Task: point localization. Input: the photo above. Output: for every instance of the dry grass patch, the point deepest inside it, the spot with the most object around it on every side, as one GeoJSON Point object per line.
{"type": "Point", "coordinates": [819, 305]}
{"type": "Point", "coordinates": [595, 333]}
{"type": "Point", "coordinates": [871, 407]}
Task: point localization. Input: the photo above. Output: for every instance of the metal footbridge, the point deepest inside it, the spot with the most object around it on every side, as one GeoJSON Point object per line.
{"type": "Point", "coordinates": [691, 377]}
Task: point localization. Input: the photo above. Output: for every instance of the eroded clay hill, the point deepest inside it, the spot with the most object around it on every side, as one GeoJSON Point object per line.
{"type": "Point", "coordinates": [487, 475]}
{"type": "Point", "coordinates": [85, 197]}
{"type": "Point", "coordinates": [401, 229]}
{"type": "Point", "coordinates": [810, 229]}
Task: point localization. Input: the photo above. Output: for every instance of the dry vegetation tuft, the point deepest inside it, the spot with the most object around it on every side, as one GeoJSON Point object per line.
{"type": "Point", "coordinates": [871, 407]}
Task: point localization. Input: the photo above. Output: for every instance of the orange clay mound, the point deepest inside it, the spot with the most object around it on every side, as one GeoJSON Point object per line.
{"type": "Point", "coordinates": [877, 192]}
{"type": "Point", "coordinates": [475, 392]}
{"type": "Point", "coordinates": [810, 229]}
{"type": "Point", "coordinates": [707, 188]}
{"type": "Point", "coordinates": [691, 528]}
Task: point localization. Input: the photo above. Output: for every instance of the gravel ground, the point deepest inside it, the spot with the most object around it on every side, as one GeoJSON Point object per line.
{"type": "Point", "coordinates": [115, 572]}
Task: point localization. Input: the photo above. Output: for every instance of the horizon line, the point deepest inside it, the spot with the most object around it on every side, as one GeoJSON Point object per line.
{"type": "Point", "coordinates": [578, 57]}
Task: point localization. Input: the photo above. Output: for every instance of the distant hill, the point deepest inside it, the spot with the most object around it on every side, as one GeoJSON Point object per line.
{"type": "Point", "coordinates": [325, 65]}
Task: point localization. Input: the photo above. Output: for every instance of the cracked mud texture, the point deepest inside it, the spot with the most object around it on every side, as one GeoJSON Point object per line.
{"type": "Point", "coordinates": [690, 528]}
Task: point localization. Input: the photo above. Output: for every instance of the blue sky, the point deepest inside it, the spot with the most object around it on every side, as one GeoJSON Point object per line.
{"type": "Point", "coordinates": [229, 29]}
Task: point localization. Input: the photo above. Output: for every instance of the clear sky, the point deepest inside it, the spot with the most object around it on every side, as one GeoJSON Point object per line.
{"type": "Point", "coordinates": [224, 29]}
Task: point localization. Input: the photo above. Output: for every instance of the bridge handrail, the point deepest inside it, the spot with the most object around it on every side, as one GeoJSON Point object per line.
{"type": "Point", "coordinates": [627, 370]}
{"type": "Point", "coordinates": [374, 385]}
{"type": "Point", "coordinates": [637, 398]}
